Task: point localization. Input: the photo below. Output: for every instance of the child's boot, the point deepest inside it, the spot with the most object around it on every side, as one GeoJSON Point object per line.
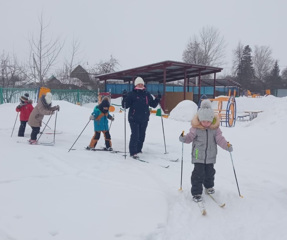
{"type": "Point", "coordinates": [197, 198]}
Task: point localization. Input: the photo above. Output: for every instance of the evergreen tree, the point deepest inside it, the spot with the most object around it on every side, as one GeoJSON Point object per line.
{"type": "Point", "coordinates": [284, 77]}
{"type": "Point", "coordinates": [245, 71]}
{"type": "Point", "coordinates": [274, 79]}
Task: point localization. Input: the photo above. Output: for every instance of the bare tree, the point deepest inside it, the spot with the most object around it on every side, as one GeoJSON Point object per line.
{"type": "Point", "coordinates": [12, 74]}
{"type": "Point", "coordinates": [43, 53]}
{"type": "Point", "coordinates": [193, 52]}
{"type": "Point", "coordinates": [237, 57]}
{"type": "Point", "coordinates": [106, 66]}
{"type": "Point", "coordinates": [262, 62]}
{"type": "Point", "coordinates": [207, 49]}
{"type": "Point", "coordinates": [70, 63]}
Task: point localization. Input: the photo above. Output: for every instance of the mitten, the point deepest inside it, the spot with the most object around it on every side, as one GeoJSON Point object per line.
{"type": "Point", "coordinates": [229, 147]}
{"type": "Point", "coordinates": [19, 106]}
{"type": "Point", "coordinates": [181, 138]}
{"type": "Point", "coordinates": [92, 117]}
{"type": "Point", "coordinates": [58, 107]}
{"type": "Point", "coordinates": [112, 118]}
{"type": "Point", "coordinates": [125, 93]}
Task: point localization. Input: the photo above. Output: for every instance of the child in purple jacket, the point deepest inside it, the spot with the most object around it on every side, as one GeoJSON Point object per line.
{"type": "Point", "coordinates": [205, 135]}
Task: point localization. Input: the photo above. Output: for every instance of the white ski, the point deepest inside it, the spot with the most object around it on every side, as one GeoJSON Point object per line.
{"type": "Point", "coordinates": [220, 204]}
{"type": "Point", "coordinates": [201, 208]}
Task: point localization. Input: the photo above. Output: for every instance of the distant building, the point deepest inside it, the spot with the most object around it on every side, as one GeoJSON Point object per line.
{"type": "Point", "coordinates": [54, 83]}
{"type": "Point", "coordinates": [80, 73]}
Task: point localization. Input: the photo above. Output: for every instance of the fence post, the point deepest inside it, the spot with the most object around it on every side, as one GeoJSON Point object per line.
{"type": "Point", "coordinates": [78, 97]}
{"type": "Point", "coordinates": [1, 96]}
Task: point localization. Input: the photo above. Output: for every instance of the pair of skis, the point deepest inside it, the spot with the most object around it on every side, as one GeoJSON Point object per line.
{"type": "Point", "coordinates": [39, 143]}
{"type": "Point", "coordinates": [201, 205]}
{"type": "Point", "coordinates": [115, 151]}
{"type": "Point", "coordinates": [145, 161]}
{"type": "Point", "coordinates": [104, 150]}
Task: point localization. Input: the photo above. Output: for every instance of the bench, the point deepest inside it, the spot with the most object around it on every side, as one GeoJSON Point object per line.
{"type": "Point", "coordinates": [250, 115]}
{"type": "Point", "coordinates": [243, 117]}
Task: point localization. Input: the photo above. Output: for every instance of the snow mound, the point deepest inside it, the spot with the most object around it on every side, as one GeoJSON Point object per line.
{"type": "Point", "coordinates": [184, 111]}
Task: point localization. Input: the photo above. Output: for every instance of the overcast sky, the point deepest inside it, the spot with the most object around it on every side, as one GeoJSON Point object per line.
{"type": "Point", "coordinates": [141, 32]}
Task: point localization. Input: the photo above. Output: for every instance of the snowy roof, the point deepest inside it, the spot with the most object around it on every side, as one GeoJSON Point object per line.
{"type": "Point", "coordinates": [170, 70]}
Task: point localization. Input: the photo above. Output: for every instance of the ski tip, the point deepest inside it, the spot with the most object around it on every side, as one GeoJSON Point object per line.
{"type": "Point", "coordinates": [222, 205]}
{"type": "Point", "coordinates": [203, 212]}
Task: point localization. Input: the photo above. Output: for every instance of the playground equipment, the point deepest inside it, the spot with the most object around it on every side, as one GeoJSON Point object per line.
{"type": "Point", "coordinates": [226, 108]}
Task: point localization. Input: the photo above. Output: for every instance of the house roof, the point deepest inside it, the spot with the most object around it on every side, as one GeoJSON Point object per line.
{"type": "Point", "coordinates": [172, 71]}
{"type": "Point", "coordinates": [80, 73]}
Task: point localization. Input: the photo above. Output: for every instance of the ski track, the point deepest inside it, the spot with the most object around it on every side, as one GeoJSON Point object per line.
{"type": "Point", "coordinates": [53, 183]}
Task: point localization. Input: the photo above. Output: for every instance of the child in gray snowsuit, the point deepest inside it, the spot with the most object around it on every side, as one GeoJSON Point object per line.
{"type": "Point", "coordinates": [205, 135]}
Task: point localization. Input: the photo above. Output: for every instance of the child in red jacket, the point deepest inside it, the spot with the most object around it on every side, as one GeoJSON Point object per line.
{"type": "Point", "coordinates": [25, 108]}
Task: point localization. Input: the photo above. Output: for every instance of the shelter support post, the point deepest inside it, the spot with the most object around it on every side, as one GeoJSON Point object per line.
{"type": "Point", "coordinates": [199, 86]}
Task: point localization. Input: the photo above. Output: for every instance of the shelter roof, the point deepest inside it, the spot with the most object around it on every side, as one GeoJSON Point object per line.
{"type": "Point", "coordinates": [172, 71]}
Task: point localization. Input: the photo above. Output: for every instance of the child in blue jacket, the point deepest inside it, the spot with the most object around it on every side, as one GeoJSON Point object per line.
{"type": "Point", "coordinates": [100, 116]}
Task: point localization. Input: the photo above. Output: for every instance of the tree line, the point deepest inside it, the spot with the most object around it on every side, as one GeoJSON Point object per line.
{"type": "Point", "coordinates": [255, 70]}
{"type": "Point", "coordinates": [43, 54]}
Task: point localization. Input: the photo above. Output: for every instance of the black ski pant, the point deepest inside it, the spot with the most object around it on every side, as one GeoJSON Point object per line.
{"type": "Point", "coordinates": [22, 128]}
{"type": "Point", "coordinates": [97, 136]}
{"type": "Point", "coordinates": [34, 133]}
{"type": "Point", "coordinates": [202, 174]}
{"type": "Point", "coordinates": [137, 137]}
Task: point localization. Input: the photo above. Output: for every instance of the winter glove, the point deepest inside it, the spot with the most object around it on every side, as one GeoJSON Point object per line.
{"type": "Point", "coordinates": [21, 105]}
{"type": "Point", "coordinates": [58, 108]}
{"type": "Point", "coordinates": [112, 118]}
{"type": "Point", "coordinates": [125, 93]}
{"type": "Point", "coordinates": [229, 147]}
{"type": "Point", "coordinates": [92, 117]}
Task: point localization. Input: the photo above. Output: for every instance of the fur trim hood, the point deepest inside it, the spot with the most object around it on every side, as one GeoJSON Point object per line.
{"type": "Point", "coordinates": [196, 123]}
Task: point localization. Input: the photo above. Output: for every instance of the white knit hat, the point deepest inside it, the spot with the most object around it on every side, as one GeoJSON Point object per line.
{"type": "Point", "coordinates": [48, 98]}
{"type": "Point", "coordinates": [139, 80]}
{"type": "Point", "coordinates": [205, 113]}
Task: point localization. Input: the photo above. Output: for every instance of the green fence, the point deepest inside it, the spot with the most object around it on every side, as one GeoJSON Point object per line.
{"type": "Point", "coordinates": [12, 95]}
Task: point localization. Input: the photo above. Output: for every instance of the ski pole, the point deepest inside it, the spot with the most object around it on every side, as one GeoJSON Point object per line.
{"type": "Point", "coordinates": [180, 189]}
{"type": "Point", "coordinates": [125, 129]}
{"type": "Point", "coordinates": [163, 130]}
{"type": "Point", "coordinates": [46, 124]}
{"type": "Point", "coordinates": [79, 135]}
{"type": "Point", "coordinates": [111, 123]}
{"type": "Point", "coordinates": [44, 128]}
{"type": "Point", "coordinates": [228, 144]}
{"type": "Point", "coordinates": [14, 124]}
{"type": "Point", "coordinates": [55, 128]}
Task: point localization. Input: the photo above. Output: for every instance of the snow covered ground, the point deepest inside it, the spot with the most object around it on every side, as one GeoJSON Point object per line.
{"type": "Point", "coordinates": [48, 193]}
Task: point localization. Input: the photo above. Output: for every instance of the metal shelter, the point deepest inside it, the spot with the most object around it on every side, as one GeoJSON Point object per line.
{"type": "Point", "coordinates": [168, 71]}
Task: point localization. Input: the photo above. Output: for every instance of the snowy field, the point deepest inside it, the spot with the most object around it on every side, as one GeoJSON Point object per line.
{"type": "Point", "coordinates": [49, 193]}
